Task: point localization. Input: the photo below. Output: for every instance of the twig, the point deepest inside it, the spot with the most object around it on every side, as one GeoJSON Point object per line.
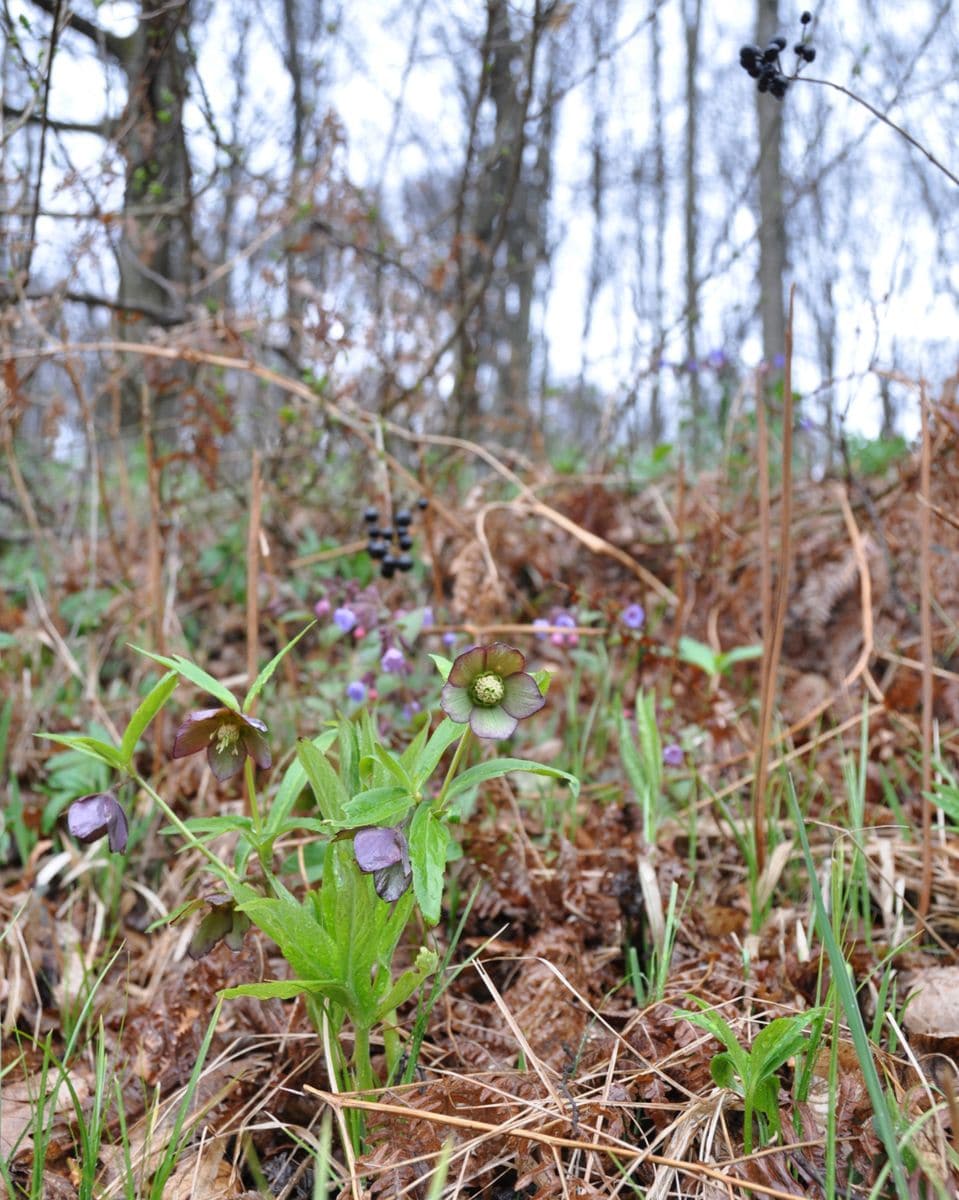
{"type": "Point", "coordinates": [925, 633]}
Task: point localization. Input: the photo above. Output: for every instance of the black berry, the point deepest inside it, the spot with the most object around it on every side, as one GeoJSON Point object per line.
{"type": "Point", "coordinates": [388, 567]}
{"type": "Point", "coordinates": [805, 18]}
{"type": "Point", "coordinates": [779, 42]}
{"type": "Point", "coordinates": [371, 516]}
{"type": "Point", "coordinates": [405, 541]}
{"type": "Point", "coordinates": [403, 518]}
{"type": "Point", "coordinates": [376, 549]}
{"type": "Point", "coordinates": [771, 53]}
{"type": "Point", "coordinates": [387, 532]}
{"type": "Point", "coordinates": [809, 53]}
{"type": "Point", "coordinates": [404, 563]}
{"type": "Point", "coordinates": [422, 503]}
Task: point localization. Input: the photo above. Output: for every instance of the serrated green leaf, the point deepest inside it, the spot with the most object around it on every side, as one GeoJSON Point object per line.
{"type": "Point", "coordinates": [388, 759]}
{"type": "Point", "coordinates": [428, 841]}
{"type": "Point", "coordinates": [497, 767]}
{"type": "Point", "coordinates": [264, 676]}
{"type": "Point", "coordinates": [196, 675]}
{"type": "Point", "coordinates": [302, 940]}
{"type": "Point", "coordinates": [145, 712]}
{"type": "Point", "coordinates": [330, 794]}
{"type": "Point", "coordinates": [378, 806]}
{"type": "Point", "coordinates": [278, 989]}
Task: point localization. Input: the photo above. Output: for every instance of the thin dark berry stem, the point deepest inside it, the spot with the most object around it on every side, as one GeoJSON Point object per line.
{"type": "Point", "coordinates": [838, 87]}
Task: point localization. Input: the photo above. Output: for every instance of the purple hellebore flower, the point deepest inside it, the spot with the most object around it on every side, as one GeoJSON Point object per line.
{"type": "Point", "coordinates": [100, 813]}
{"type": "Point", "coordinates": [673, 755]}
{"type": "Point", "coordinates": [384, 854]}
{"type": "Point", "coordinates": [633, 616]}
{"type": "Point", "coordinates": [356, 691]}
{"type": "Point", "coordinates": [393, 661]}
{"type": "Point", "coordinates": [227, 736]}
{"type": "Point", "coordinates": [223, 922]}
{"type": "Point", "coordinates": [345, 618]}
{"type": "Point", "coordinates": [489, 688]}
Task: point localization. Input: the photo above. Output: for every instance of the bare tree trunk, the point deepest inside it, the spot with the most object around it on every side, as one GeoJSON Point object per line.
{"type": "Point", "coordinates": [692, 10]}
{"type": "Point", "coordinates": [661, 201]}
{"type": "Point", "coordinates": [772, 217]}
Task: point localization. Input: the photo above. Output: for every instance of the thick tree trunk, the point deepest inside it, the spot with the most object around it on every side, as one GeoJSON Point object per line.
{"type": "Point", "coordinates": [772, 216]}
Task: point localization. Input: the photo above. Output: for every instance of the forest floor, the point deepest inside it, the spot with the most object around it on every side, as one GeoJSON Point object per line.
{"type": "Point", "coordinates": [552, 1058]}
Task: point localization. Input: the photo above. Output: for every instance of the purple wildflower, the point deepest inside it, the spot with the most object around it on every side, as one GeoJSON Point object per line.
{"type": "Point", "coordinates": [564, 620]}
{"type": "Point", "coordinates": [345, 618]}
{"type": "Point", "coordinates": [633, 616]}
{"type": "Point", "coordinates": [393, 661]}
{"type": "Point", "coordinates": [356, 691]}
{"type": "Point", "coordinates": [322, 608]}
{"type": "Point", "coordinates": [673, 755]}
{"type": "Point", "coordinates": [540, 623]}
{"type": "Point", "coordinates": [450, 639]}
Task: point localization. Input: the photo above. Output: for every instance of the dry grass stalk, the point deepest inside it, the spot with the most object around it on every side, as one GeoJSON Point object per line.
{"type": "Point", "coordinates": [925, 625]}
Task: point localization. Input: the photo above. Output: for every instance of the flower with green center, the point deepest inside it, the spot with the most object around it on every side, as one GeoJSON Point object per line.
{"type": "Point", "coordinates": [227, 736]}
{"type": "Point", "coordinates": [489, 688]}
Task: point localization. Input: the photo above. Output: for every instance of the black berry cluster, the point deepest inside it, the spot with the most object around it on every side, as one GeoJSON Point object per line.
{"type": "Point", "coordinates": [390, 544]}
{"type": "Point", "coordinates": [765, 65]}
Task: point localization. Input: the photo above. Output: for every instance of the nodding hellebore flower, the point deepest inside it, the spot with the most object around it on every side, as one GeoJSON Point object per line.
{"type": "Point", "coordinates": [100, 813]}
{"type": "Point", "coordinates": [384, 854]}
{"type": "Point", "coordinates": [489, 688]}
{"type": "Point", "coordinates": [227, 736]}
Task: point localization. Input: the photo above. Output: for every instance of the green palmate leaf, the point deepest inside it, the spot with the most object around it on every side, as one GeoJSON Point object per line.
{"type": "Point", "coordinates": [264, 676]}
{"type": "Point", "coordinates": [378, 806]}
{"type": "Point", "coordinates": [196, 675]}
{"type": "Point", "coordinates": [91, 746]}
{"type": "Point", "coordinates": [497, 767]}
{"type": "Point", "coordinates": [428, 760]}
{"type": "Point", "coordinates": [331, 796]}
{"type": "Point", "coordinates": [146, 711]}
{"type": "Point", "coordinates": [443, 665]}
{"type": "Point", "coordinates": [429, 838]}
{"type": "Point", "coordinates": [302, 940]}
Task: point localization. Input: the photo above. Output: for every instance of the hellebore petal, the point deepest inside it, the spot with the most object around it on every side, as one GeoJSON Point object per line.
{"type": "Point", "coordinates": [467, 666]}
{"type": "Point", "coordinates": [376, 847]}
{"type": "Point", "coordinates": [384, 854]}
{"type": "Point", "coordinates": [255, 743]}
{"type": "Point", "coordinates": [492, 722]}
{"type": "Point", "coordinates": [456, 703]}
{"type": "Point", "coordinates": [100, 813]}
{"type": "Point", "coordinates": [226, 757]}
{"type": "Point", "coordinates": [522, 697]}
{"type": "Point", "coordinates": [197, 729]}
{"type": "Point", "coordinates": [503, 660]}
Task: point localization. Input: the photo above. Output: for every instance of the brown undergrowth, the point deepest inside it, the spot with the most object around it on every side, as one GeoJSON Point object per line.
{"type": "Point", "coordinates": [541, 1073]}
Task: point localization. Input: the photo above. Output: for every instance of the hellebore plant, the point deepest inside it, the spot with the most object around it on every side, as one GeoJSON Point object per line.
{"type": "Point", "coordinates": [381, 824]}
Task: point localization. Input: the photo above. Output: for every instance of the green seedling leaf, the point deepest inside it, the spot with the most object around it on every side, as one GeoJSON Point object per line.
{"type": "Point", "coordinates": [713, 1023]}
{"type": "Point", "coordinates": [698, 654]}
{"type": "Point", "coordinates": [264, 676]}
{"type": "Point", "coordinates": [778, 1042]}
{"type": "Point", "coordinates": [426, 963]}
{"type": "Point", "coordinates": [91, 746]}
{"type": "Point", "coordinates": [443, 665]}
{"type": "Point", "coordinates": [497, 767]}
{"type": "Point", "coordinates": [428, 841]}
{"type": "Point", "coordinates": [331, 796]}
{"type": "Point", "coordinates": [740, 654]}
{"type": "Point", "coordinates": [146, 711]}
{"type": "Point", "coordinates": [196, 675]}
{"type": "Point", "coordinates": [723, 1070]}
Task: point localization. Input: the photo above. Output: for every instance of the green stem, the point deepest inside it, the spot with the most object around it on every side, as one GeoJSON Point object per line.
{"type": "Point", "coordinates": [464, 742]}
{"type": "Point", "coordinates": [362, 1066]}
{"type": "Point", "coordinates": [250, 778]}
{"type": "Point", "coordinates": [191, 838]}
